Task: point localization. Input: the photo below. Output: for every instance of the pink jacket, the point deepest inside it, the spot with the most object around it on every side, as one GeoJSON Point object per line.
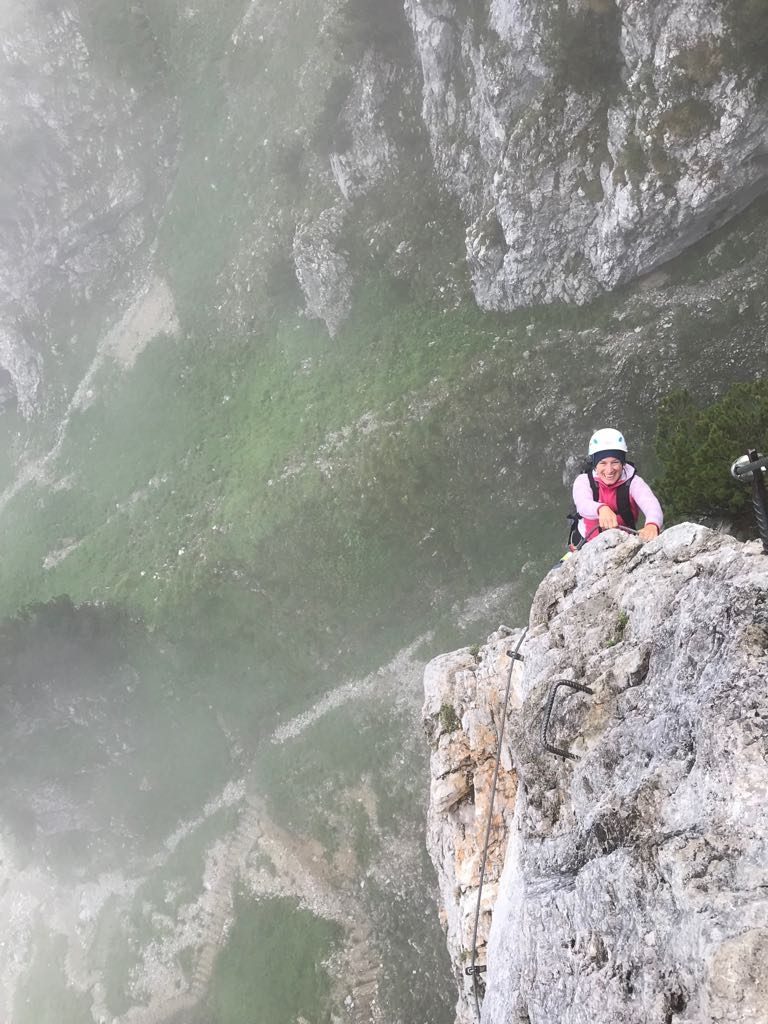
{"type": "Point", "coordinates": [640, 494]}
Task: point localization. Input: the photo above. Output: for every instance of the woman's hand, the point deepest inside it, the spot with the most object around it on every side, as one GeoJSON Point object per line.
{"type": "Point", "coordinates": [607, 518]}
{"type": "Point", "coordinates": [649, 532]}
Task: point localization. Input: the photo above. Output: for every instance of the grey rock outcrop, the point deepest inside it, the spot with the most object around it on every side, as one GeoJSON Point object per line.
{"type": "Point", "coordinates": [322, 269]}
{"type": "Point", "coordinates": [371, 155]}
{"type": "Point", "coordinates": [634, 881]}
{"type": "Point", "coordinates": [545, 152]}
{"type": "Point", "coordinates": [589, 142]}
{"type": "Point", "coordinates": [378, 153]}
{"type": "Point", "coordinates": [586, 143]}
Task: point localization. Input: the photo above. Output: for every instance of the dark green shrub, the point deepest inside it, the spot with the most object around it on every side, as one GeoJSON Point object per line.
{"type": "Point", "coordinates": [583, 47]}
{"type": "Point", "coordinates": [449, 720]}
{"type": "Point", "coordinates": [702, 62]}
{"type": "Point", "coordinates": [746, 24]}
{"type": "Point", "coordinates": [688, 119]}
{"type": "Point", "coordinates": [696, 447]}
{"type": "Point", "coordinates": [378, 24]}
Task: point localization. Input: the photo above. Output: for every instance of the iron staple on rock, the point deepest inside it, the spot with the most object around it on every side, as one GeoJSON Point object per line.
{"type": "Point", "coordinates": [548, 746]}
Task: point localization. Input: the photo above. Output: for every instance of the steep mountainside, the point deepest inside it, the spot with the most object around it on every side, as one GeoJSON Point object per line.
{"type": "Point", "coordinates": [266, 398]}
{"type": "Point", "coordinates": [88, 137]}
{"type": "Point", "coordinates": [534, 152]}
{"type": "Point", "coordinates": [634, 877]}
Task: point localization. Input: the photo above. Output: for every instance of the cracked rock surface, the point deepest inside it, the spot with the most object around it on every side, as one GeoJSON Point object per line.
{"type": "Point", "coordinates": [635, 879]}
{"type": "Point", "coordinates": [591, 141]}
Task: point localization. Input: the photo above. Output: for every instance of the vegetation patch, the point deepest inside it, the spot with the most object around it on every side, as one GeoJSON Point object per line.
{"type": "Point", "coordinates": [449, 720]}
{"type": "Point", "coordinates": [696, 446]}
{"type": "Point", "coordinates": [273, 939]}
{"type": "Point", "coordinates": [703, 62]}
{"type": "Point", "coordinates": [619, 629]}
{"type": "Point", "coordinates": [688, 120]}
{"type": "Point", "coordinates": [44, 995]}
{"type": "Point", "coordinates": [583, 47]}
{"type": "Point", "coordinates": [122, 39]}
{"type": "Point", "coordinates": [746, 24]}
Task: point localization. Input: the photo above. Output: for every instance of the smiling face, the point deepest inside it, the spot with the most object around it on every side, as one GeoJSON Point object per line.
{"type": "Point", "coordinates": [608, 470]}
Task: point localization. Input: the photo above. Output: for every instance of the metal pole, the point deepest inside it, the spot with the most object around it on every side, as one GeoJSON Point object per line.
{"type": "Point", "coordinates": [759, 500]}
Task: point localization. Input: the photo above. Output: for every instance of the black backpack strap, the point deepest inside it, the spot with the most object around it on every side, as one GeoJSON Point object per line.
{"type": "Point", "coordinates": [574, 536]}
{"type": "Point", "coordinates": [623, 504]}
{"type": "Point", "coordinates": [593, 485]}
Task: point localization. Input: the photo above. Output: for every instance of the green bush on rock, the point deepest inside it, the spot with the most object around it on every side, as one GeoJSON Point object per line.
{"type": "Point", "coordinates": [449, 720]}
{"type": "Point", "coordinates": [696, 447]}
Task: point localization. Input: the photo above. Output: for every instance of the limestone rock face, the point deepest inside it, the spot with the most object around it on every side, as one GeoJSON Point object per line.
{"type": "Point", "coordinates": [586, 143]}
{"type": "Point", "coordinates": [589, 142]}
{"type": "Point", "coordinates": [379, 153]}
{"type": "Point", "coordinates": [536, 152]}
{"type": "Point", "coordinates": [634, 882]}
{"type": "Point", "coordinates": [463, 700]}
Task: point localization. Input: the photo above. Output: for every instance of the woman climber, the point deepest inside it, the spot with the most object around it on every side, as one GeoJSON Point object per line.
{"type": "Point", "coordinates": [611, 494]}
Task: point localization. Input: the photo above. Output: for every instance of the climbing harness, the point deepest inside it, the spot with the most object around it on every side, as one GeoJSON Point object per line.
{"type": "Point", "coordinates": [474, 969]}
{"type": "Point", "coordinates": [560, 751]}
{"type": "Point", "coordinates": [573, 548]}
{"type": "Point", "coordinates": [752, 468]}
{"type": "Point", "coordinates": [595, 529]}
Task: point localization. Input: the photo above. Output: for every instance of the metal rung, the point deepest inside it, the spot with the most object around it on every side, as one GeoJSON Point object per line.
{"type": "Point", "coordinates": [560, 751]}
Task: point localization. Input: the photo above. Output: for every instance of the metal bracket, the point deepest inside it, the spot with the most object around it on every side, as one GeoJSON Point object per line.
{"type": "Point", "coordinates": [560, 751]}
{"type": "Point", "coordinates": [751, 468]}
{"type": "Point", "coordinates": [477, 969]}
{"type": "Point", "coordinates": [515, 656]}
{"type": "Point", "coordinates": [745, 466]}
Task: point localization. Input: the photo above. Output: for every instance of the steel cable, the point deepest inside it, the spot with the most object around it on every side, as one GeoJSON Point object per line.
{"type": "Point", "coordinates": [473, 968]}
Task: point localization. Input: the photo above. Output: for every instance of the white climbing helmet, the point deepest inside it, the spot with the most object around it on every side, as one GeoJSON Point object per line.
{"type": "Point", "coordinates": [606, 440]}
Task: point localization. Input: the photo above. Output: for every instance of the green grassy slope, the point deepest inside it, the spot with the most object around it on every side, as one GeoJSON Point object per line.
{"type": "Point", "coordinates": [256, 476]}
{"type": "Point", "coordinates": [344, 488]}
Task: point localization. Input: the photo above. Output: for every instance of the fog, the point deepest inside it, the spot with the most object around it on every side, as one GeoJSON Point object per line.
{"type": "Point", "coordinates": [264, 455]}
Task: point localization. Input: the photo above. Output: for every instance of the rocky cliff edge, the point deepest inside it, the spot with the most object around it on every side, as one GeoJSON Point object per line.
{"type": "Point", "coordinates": [630, 885]}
